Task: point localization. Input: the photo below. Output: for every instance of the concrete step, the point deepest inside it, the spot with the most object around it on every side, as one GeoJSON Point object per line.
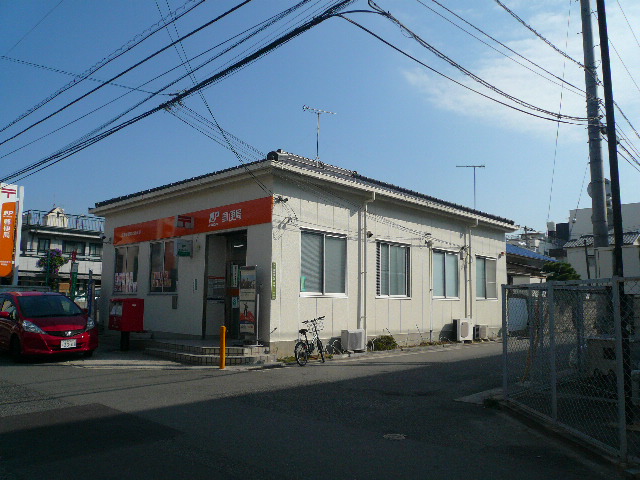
{"type": "Point", "coordinates": [210, 359]}
{"type": "Point", "coordinates": [205, 350]}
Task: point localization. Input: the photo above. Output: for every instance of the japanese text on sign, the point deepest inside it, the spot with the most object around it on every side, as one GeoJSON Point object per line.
{"type": "Point", "coordinates": [227, 216]}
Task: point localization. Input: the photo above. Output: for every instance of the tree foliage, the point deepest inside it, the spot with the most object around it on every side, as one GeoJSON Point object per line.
{"type": "Point", "coordinates": [560, 271]}
{"type": "Point", "coordinates": [50, 264]}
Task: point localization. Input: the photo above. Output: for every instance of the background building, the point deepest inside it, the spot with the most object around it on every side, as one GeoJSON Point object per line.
{"type": "Point", "coordinates": [55, 229]}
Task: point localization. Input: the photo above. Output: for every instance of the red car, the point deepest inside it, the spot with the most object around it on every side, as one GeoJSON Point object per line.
{"type": "Point", "coordinates": [44, 323]}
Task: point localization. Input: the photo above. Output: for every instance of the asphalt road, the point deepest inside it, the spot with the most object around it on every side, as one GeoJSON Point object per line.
{"type": "Point", "coordinates": [377, 417]}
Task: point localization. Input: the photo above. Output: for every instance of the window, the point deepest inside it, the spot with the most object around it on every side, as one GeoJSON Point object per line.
{"type": "Point", "coordinates": [392, 272]}
{"type": "Point", "coordinates": [95, 249]}
{"type": "Point", "coordinates": [44, 244]}
{"type": "Point", "coordinates": [68, 246]}
{"type": "Point", "coordinates": [486, 278]}
{"type": "Point", "coordinates": [164, 267]}
{"type": "Point", "coordinates": [323, 264]}
{"type": "Point", "coordinates": [445, 274]}
{"type": "Point", "coordinates": [126, 271]}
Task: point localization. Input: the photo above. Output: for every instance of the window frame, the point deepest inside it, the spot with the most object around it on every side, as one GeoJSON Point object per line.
{"type": "Point", "coordinates": [43, 240]}
{"type": "Point", "coordinates": [483, 260]}
{"type": "Point", "coordinates": [379, 273]}
{"type": "Point", "coordinates": [446, 296]}
{"type": "Point", "coordinates": [134, 270]}
{"type": "Point", "coordinates": [76, 243]}
{"type": "Point", "coordinates": [97, 247]}
{"type": "Point", "coordinates": [324, 292]}
{"type": "Point", "coordinates": [162, 289]}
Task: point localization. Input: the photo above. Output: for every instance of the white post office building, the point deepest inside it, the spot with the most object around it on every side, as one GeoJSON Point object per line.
{"type": "Point", "coordinates": [324, 240]}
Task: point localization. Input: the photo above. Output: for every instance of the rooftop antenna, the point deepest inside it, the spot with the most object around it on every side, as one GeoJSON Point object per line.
{"type": "Point", "coordinates": [474, 179]}
{"type": "Point", "coordinates": [317, 112]}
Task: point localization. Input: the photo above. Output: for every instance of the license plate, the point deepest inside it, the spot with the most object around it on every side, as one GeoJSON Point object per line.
{"type": "Point", "coordinates": [68, 343]}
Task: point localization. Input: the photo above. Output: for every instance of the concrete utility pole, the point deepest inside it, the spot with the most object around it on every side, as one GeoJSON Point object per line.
{"type": "Point", "coordinates": [597, 186]}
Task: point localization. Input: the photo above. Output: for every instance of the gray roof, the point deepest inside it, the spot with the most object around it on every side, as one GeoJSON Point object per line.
{"type": "Point", "coordinates": [629, 238]}
{"type": "Point", "coordinates": [281, 156]}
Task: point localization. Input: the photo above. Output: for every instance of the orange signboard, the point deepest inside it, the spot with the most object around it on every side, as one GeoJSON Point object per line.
{"type": "Point", "coordinates": [243, 214]}
{"type": "Point", "coordinates": [7, 239]}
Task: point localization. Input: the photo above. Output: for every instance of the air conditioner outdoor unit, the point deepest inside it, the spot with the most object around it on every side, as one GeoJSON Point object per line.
{"type": "Point", "coordinates": [464, 329]}
{"type": "Point", "coordinates": [480, 332]}
{"type": "Point", "coordinates": [353, 340]}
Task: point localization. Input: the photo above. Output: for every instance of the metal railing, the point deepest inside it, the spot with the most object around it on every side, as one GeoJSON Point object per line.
{"type": "Point", "coordinates": [572, 357]}
{"type": "Point", "coordinates": [40, 218]}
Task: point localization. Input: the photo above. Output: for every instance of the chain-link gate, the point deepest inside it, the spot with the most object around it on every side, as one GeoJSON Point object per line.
{"type": "Point", "coordinates": [572, 356]}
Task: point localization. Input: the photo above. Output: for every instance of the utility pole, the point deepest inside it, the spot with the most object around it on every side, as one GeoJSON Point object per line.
{"type": "Point", "coordinates": [597, 186]}
{"type": "Point", "coordinates": [317, 112]}
{"type": "Point", "coordinates": [626, 315]}
{"type": "Point", "coordinates": [474, 179]}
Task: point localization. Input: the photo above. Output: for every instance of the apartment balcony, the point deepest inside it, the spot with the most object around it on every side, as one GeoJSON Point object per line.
{"type": "Point", "coordinates": [55, 220]}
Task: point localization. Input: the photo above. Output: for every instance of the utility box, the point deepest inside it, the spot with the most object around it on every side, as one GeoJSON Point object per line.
{"type": "Point", "coordinates": [126, 314]}
{"type": "Point", "coordinates": [353, 340]}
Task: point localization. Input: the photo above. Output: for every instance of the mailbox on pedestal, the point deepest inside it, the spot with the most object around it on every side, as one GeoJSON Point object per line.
{"type": "Point", "coordinates": [126, 315]}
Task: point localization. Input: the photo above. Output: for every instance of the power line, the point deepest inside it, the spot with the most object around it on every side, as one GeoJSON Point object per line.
{"type": "Point", "coordinates": [630, 27]}
{"type": "Point", "coordinates": [193, 32]}
{"type": "Point", "coordinates": [86, 141]}
{"type": "Point", "coordinates": [580, 91]}
{"type": "Point", "coordinates": [399, 50]}
{"type": "Point", "coordinates": [473, 76]}
{"type": "Point", "coordinates": [34, 27]}
{"type": "Point", "coordinates": [137, 40]}
{"type": "Point", "coordinates": [64, 72]}
{"type": "Point", "coordinates": [254, 31]}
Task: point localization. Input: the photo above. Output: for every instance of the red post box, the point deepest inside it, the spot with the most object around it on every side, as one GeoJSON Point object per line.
{"type": "Point", "coordinates": [126, 314]}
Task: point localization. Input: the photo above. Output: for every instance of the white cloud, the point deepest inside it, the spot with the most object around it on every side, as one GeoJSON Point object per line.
{"type": "Point", "coordinates": [551, 22]}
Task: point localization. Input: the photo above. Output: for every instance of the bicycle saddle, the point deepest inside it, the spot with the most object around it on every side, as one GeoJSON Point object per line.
{"type": "Point", "coordinates": [303, 331]}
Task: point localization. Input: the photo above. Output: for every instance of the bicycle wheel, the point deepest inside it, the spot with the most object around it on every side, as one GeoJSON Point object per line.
{"type": "Point", "coordinates": [301, 352]}
{"type": "Point", "coordinates": [321, 350]}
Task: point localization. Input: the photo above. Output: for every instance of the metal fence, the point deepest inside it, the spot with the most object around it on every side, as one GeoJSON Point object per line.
{"type": "Point", "coordinates": [572, 357]}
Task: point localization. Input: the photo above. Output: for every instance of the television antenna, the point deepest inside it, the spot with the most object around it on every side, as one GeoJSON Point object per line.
{"type": "Point", "coordinates": [318, 112]}
{"type": "Point", "coordinates": [474, 179]}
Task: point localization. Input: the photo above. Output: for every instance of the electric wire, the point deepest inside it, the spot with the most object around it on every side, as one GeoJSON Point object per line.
{"type": "Point", "coordinates": [64, 72]}
{"type": "Point", "coordinates": [399, 50]}
{"type": "Point", "coordinates": [134, 42]}
{"type": "Point", "coordinates": [628, 24]}
{"type": "Point", "coordinates": [251, 32]}
{"type": "Point", "coordinates": [529, 27]}
{"type": "Point", "coordinates": [467, 72]}
{"type": "Point", "coordinates": [85, 142]}
{"type": "Point", "coordinates": [577, 90]}
{"type": "Point", "coordinates": [555, 150]}
{"type": "Point", "coordinates": [33, 28]}
{"type": "Point", "coordinates": [136, 65]}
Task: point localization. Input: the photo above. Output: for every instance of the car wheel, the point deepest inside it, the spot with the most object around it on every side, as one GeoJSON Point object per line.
{"type": "Point", "coordinates": [16, 350]}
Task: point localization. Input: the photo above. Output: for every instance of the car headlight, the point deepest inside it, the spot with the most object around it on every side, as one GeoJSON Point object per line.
{"type": "Point", "coordinates": [32, 327]}
{"type": "Point", "coordinates": [91, 323]}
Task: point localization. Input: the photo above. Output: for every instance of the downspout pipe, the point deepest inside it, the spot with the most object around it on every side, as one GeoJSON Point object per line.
{"type": "Point", "coordinates": [362, 304]}
{"type": "Point", "coordinates": [468, 280]}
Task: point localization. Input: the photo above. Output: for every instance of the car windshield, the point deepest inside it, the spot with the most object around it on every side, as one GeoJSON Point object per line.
{"type": "Point", "coordinates": [48, 306]}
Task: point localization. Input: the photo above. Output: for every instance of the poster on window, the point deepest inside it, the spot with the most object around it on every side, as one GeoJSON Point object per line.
{"type": "Point", "coordinates": [248, 300]}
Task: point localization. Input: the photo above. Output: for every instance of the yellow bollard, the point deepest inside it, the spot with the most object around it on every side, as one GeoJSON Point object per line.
{"type": "Point", "coordinates": [223, 346]}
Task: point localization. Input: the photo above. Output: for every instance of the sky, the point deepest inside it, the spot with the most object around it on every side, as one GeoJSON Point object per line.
{"type": "Point", "coordinates": [395, 119]}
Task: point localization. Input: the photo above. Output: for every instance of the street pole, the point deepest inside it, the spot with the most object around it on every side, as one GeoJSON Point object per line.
{"type": "Point", "coordinates": [598, 192]}
{"type": "Point", "coordinates": [618, 269]}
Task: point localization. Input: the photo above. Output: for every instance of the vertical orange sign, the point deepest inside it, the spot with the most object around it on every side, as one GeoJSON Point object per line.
{"type": "Point", "coordinates": [7, 238]}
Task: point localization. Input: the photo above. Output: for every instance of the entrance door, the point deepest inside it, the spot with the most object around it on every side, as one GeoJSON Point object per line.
{"type": "Point", "coordinates": [226, 253]}
{"type": "Point", "coordinates": [236, 258]}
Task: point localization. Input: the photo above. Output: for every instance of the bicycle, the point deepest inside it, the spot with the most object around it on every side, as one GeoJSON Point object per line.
{"type": "Point", "coordinates": [304, 348]}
